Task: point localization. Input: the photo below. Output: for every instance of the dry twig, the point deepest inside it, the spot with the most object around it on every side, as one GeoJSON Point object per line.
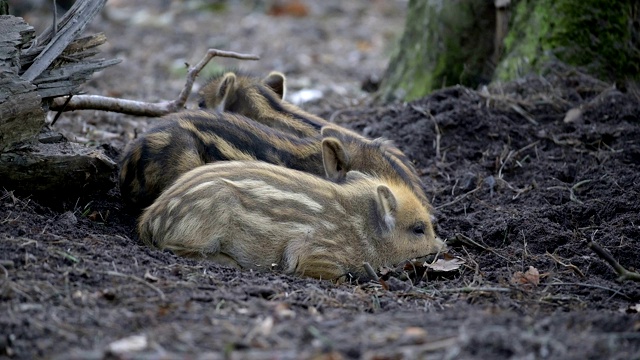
{"type": "Point", "coordinates": [514, 154]}
{"type": "Point", "coordinates": [510, 102]}
{"type": "Point", "coordinates": [572, 190]}
{"type": "Point", "coordinates": [370, 271]}
{"type": "Point", "coordinates": [460, 197]}
{"type": "Point", "coordinates": [372, 274]}
{"type": "Point", "coordinates": [141, 108]}
{"type": "Point", "coordinates": [570, 266]}
{"type": "Point", "coordinates": [465, 240]}
{"type": "Point", "coordinates": [623, 274]}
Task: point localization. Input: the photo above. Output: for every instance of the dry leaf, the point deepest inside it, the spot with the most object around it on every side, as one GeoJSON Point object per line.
{"type": "Point", "coordinates": [283, 311]}
{"type": "Point", "coordinates": [364, 45]}
{"type": "Point", "coordinates": [413, 335]}
{"type": "Point", "coordinates": [262, 327]}
{"type": "Point", "coordinates": [128, 344]}
{"type": "Point", "coordinates": [445, 265]}
{"type": "Point", "coordinates": [531, 276]}
{"type": "Point", "coordinates": [93, 216]}
{"type": "Point", "coordinates": [573, 115]}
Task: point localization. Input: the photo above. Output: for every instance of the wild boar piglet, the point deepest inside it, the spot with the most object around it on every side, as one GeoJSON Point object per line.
{"type": "Point", "coordinates": [256, 215]}
{"type": "Point", "coordinates": [192, 138]}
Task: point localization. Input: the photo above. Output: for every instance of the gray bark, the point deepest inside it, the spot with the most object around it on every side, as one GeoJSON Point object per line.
{"type": "Point", "coordinates": [32, 73]}
{"type": "Point", "coordinates": [21, 113]}
{"type": "Point", "coordinates": [56, 171]}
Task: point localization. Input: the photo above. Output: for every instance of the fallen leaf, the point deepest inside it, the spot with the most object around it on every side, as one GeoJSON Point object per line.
{"type": "Point", "coordinates": [384, 270]}
{"type": "Point", "coordinates": [413, 335]}
{"type": "Point", "coordinates": [262, 327]}
{"type": "Point", "coordinates": [445, 265]}
{"type": "Point", "coordinates": [364, 45]}
{"type": "Point", "coordinates": [283, 311]}
{"type": "Point", "coordinates": [93, 216]}
{"type": "Point", "coordinates": [531, 276]}
{"type": "Point", "coordinates": [128, 344]}
{"type": "Point", "coordinates": [573, 115]}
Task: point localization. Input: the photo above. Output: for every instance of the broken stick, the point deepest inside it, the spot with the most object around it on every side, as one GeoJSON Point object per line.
{"type": "Point", "coordinates": [141, 108]}
{"type": "Point", "coordinates": [623, 274]}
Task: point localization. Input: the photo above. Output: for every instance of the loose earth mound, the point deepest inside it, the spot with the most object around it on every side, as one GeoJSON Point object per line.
{"type": "Point", "coordinates": [522, 176]}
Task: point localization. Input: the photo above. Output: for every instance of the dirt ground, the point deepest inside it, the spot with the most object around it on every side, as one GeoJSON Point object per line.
{"type": "Point", "coordinates": [519, 189]}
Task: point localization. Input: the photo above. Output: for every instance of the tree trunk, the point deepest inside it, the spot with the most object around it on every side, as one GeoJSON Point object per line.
{"type": "Point", "coordinates": [21, 113]}
{"type": "Point", "coordinates": [600, 36]}
{"type": "Point", "coordinates": [471, 42]}
{"type": "Point", "coordinates": [445, 42]}
{"type": "Point", "coordinates": [34, 162]}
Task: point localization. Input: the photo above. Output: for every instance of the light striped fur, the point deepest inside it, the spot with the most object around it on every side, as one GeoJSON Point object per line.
{"type": "Point", "coordinates": [253, 214]}
{"type": "Point", "coordinates": [262, 100]}
{"type": "Point", "coordinates": [192, 138]}
{"type": "Point", "coordinates": [196, 137]}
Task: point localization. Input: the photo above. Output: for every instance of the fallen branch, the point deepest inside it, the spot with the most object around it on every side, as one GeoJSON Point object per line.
{"type": "Point", "coordinates": [141, 108]}
{"type": "Point", "coordinates": [623, 274]}
{"type": "Point", "coordinates": [70, 27]}
{"type": "Point", "coordinates": [34, 71]}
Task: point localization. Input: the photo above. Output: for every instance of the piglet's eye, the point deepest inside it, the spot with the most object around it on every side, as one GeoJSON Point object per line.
{"type": "Point", "coordinates": [418, 229]}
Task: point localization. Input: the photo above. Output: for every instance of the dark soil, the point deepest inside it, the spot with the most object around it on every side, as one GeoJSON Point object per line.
{"type": "Point", "coordinates": [516, 188]}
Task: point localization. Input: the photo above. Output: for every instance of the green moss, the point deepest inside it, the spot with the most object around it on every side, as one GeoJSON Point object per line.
{"type": "Point", "coordinates": [523, 45]}
{"type": "Point", "coordinates": [441, 46]}
{"type": "Point", "coordinates": [596, 35]}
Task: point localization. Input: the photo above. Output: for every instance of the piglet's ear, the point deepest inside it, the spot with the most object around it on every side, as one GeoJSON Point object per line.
{"type": "Point", "coordinates": [354, 175]}
{"type": "Point", "coordinates": [334, 159]}
{"type": "Point", "coordinates": [387, 207]}
{"type": "Point", "coordinates": [342, 133]}
{"type": "Point", "coordinates": [330, 131]}
{"type": "Point", "coordinates": [226, 91]}
{"type": "Point", "coordinates": [277, 82]}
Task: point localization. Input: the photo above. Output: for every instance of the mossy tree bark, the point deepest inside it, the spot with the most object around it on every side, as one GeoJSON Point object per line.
{"type": "Point", "coordinates": [599, 36]}
{"type": "Point", "coordinates": [445, 42]}
{"type": "Point", "coordinates": [470, 42]}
